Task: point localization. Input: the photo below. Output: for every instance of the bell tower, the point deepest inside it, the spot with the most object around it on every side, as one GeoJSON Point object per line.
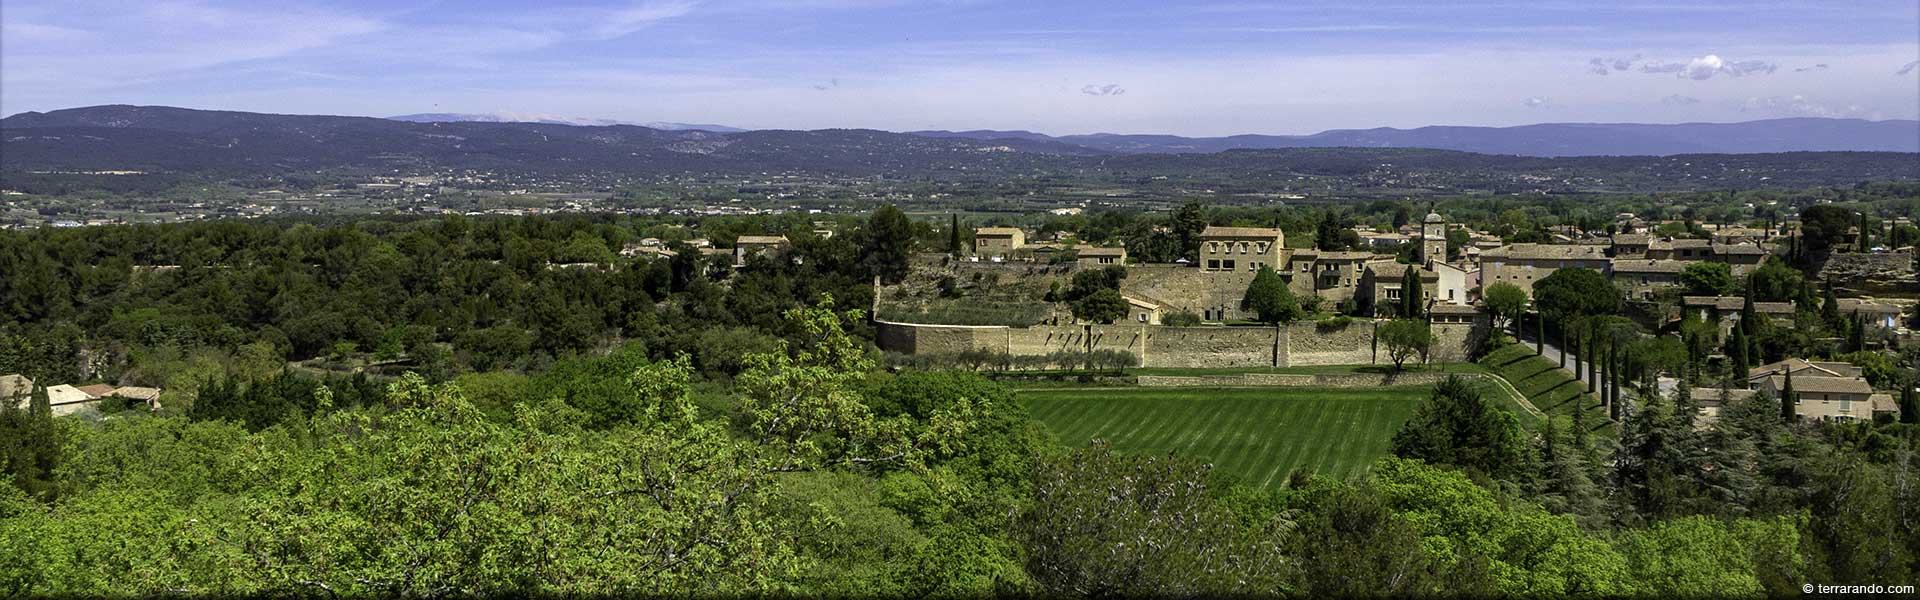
{"type": "Point", "coordinates": [1433, 239]}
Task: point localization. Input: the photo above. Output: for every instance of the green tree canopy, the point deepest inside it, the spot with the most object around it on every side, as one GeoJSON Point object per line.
{"type": "Point", "coordinates": [1270, 300]}
{"type": "Point", "coordinates": [1572, 293]}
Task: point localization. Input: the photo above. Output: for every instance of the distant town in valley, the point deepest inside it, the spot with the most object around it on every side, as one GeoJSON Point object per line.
{"type": "Point", "coordinates": [975, 299]}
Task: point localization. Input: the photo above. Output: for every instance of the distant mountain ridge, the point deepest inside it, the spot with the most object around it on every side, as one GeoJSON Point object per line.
{"type": "Point", "coordinates": [554, 120]}
{"type": "Point", "coordinates": [169, 140]}
{"type": "Point", "coordinates": [1544, 139]}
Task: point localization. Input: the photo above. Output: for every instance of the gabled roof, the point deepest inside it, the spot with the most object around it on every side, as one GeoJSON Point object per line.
{"type": "Point", "coordinates": [1216, 231]}
{"type": "Point", "coordinates": [1823, 385]}
{"type": "Point", "coordinates": [1392, 270]}
{"type": "Point", "coordinates": [97, 390]}
{"type": "Point", "coordinates": [1631, 239]}
{"type": "Point", "coordinates": [997, 231]}
{"type": "Point", "coordinates": [1117, 251]}
{"type": "Point", "coordinates": [1801, 365]}
{"type": "Point", "coordinates": [760, 239]}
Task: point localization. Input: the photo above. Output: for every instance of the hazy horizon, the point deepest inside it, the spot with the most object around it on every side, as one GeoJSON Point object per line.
{"type": "Point", "coordinates": [1061, 69]}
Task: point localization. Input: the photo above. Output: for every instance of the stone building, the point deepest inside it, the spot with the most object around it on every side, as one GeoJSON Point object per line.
{"type": "Point", "coordinates": [998, 241]}
{"type": "Point", "coordinates": [1523, 264]}
{"type": "Point", "coordinates": [1101, 257]}
{"type": "Point", "coordinates": [1641, 278]}
{"type": "Point", "coordinates": [1332, 276]}
{"type": "Point", "coordinates": [1242, 249]}
{"type": "Point", "coordinates": [749, 246]}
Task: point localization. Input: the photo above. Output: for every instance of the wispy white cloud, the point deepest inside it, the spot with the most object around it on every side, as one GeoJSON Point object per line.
{"type": "Point", "coordinates": [1111, 89]}
{"type": "Point", "coordinates": [1679, 100]}
{"type": "Point", "coordinates": [640, 15]}
{"type": "Point", "coordinates": [1537, 102]}
{"type": "Point", "coordinates": [1709, 66]}
{"type": "Point", "coordinates": [1908, 68]}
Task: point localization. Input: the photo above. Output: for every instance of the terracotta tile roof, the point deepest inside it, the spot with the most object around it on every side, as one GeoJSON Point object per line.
{"type": "Point", "coordinates": [1825, 385]}
{"type": "Point", "coordinates": [991, 231]}
{"type": "Point", "coordinates": [1103, 251]}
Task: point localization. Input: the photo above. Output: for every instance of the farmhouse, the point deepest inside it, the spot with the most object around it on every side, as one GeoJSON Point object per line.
{"type": "Point", "coordinates": [1100, 257]}
{"type": "Point", "coordinates": [749, 246]}
{"type": "Point", "coordinates": [998, 242]}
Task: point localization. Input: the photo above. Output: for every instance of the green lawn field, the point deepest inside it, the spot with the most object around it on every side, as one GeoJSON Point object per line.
{"type": "Point", "coordinates": [1549, 388]}
{"type": "Point", "coordinates": [1256, 434]}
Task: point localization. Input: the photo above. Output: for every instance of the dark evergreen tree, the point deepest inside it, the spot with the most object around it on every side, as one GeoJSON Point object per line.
{"type": "Point", "coordinates": [1789, 401]}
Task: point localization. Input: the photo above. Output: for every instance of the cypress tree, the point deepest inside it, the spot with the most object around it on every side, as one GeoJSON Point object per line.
{"type": "Point", "coordinates": [1788, 399]}
{"type": "Point", "coordinates": [1540, 334]}
{"type": "Point", "coordinates": [1593, 361]}
{"type": "Point", "coordinates": [1857, 333]}
{"type": "Point", "coordinates": [1830, 306]}
{"type": "Point", "coordinates": [1411, 306]}
{"type": "Point", "coordinates": [1737, 353]}
{"type": "Point", "coordinates": [1909, 403]}
{"type": "Point", "coordinates": [1563, 348]}
{"type": "Point", "coordinates": [1613, 381]}
{"type": "Point", "coordinates": [953, 240]}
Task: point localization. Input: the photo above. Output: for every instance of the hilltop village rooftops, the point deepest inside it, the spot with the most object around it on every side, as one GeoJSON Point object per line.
{"type": "Point", "coordinates": [1531, 251]}
{"type": "Point", "coordinates": [1866, 307]}
{"type": "Point", "coordinates": [1215, 231]}
{"type": "Point", "coordinates": [1396, 270]}
{"type": "Point", "coordinates": [747, 240]}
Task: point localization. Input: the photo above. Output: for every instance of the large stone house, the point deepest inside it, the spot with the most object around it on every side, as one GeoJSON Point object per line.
{"type": "Point", "coordinates": [1523, 264]}
{"type": "Point", "coordinates": [1242, 249]}
{"type": "Point", "coordinates": [1725, 310]}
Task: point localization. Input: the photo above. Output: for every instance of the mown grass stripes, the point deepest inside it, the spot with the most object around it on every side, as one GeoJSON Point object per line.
{"type": "Point", "coordinates": [1256, 434]}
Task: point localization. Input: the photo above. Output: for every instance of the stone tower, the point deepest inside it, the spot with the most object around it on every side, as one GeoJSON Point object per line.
{"type": "Point", "coordinates": [1433, 240]}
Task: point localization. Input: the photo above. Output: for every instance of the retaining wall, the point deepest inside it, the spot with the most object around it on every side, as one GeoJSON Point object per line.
{"type": "Point", "coordinates": [1301, 344]}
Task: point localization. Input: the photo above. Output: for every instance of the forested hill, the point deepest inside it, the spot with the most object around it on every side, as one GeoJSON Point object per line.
{"type": "Point", "coordinates": [218, 143]}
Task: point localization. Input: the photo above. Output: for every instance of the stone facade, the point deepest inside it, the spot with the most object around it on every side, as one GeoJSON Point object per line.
{"type": "Point", "coordinates": [1242, 249]}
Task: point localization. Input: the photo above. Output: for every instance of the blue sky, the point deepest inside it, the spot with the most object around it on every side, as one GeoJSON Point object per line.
{"type": "Point", "coordinates": [1058, 67]}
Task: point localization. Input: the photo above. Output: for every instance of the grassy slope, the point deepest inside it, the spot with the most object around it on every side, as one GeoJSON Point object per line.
{"type": "Point", "coordinates": [1549, 388]}
{"type": "Point", "coordinates": [1257, 434]}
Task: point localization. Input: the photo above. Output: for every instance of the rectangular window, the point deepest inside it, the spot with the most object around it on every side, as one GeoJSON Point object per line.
{"type": "Point", "coordinates": [1226, 264]}
{"type": "Point", "coordinates": [1213, 264]}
